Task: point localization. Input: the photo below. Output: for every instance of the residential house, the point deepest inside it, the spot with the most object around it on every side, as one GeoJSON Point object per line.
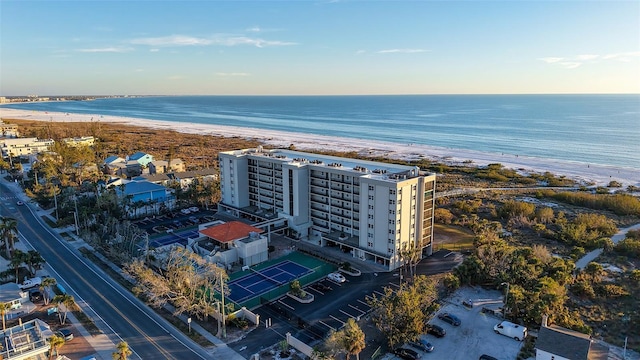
{"type": "Point", "coordinates": [162, 166]}
{"type": "Point", "coordinates": [27, 340]}
{"type": "Point", "coordinates": [558, 343]}
{"type": "Point", "coordinates": [142, 158]}
{"type": "Point", "coordinates": [115, 165]}
{"type": "Point", "coordinates": [10, 293]}
{"type": "Point", "coordinates": [144, 198]}
{"type": "Point", "coordinates": [186, 178]}
{"type": "Point", "coordinates": [8, 130]}
{"type": "Point", "coordinates": [77, 141]}
{"type": "Point", "coordinates": [233, 242]}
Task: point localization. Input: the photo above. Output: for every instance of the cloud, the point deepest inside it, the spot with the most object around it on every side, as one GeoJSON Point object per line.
{"type": "Point", "coordinates": [173, 40]}
{"type": "Point", "coordinates": [551, 60]}
{"type": "Point", "coordinates": [578, 60]}
{"type": "Point", "coordinates": [154, 50]}
{"type": "Point", "coordinates": [403, 51]}
{"type": "Point", "coordinates": [255, 29]}
{"type": "Point", "coordinates": [232, 74]}
{"type": "Point", "coordinates": [570, 64]}
{"type": "Point", "coordinates": [107, 49]}
{"type": "Point", "coordinates": [223, 40]}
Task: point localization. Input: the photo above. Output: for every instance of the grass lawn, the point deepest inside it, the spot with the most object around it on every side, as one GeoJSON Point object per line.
{"type": "Point", "coordinates": [452, 237]}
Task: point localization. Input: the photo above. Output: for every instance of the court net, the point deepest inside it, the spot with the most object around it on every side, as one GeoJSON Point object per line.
{"type": "Point", "coordinates": [269, 278]}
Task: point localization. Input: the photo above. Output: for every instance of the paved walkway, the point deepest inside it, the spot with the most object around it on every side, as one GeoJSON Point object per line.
{"type": "Point", "coordinates": [592, 255]}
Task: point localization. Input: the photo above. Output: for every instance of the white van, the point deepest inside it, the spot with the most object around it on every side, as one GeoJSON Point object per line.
{"type": "Point", "coordinates": [511, 330]}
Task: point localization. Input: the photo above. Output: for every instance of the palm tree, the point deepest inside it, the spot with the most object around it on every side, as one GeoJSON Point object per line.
{"type": "Point", "coordinates": [4, 307]}
{"type": "Point", "coordinates": [353, 339]}
{"type": "Point", "coordinates": [8, 227]}
{"type": "Point", "coordinates": [69, 304]}
{"type": "Point", "coordinates": [55, 342]}
{"type": "Point", "coordinates": [17, 259]}
{"type": "Point", "coordinates": [33, 260]}
{"type": "Point", "coordinates": [122, 352]}
{"type": "Point", "coordinates": [44, 287]}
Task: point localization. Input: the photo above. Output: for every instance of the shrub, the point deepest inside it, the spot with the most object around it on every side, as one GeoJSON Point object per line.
{"type": "Point", "coordinates": [629, 247]}
{"type": "Point", "coordinates": [611, 290]}
{"type": "Point", "coordinates": [451, 282]}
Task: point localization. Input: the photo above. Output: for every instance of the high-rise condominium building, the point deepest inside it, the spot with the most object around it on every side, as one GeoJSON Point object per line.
{"type": "Point", "coordinates": [371, 209]}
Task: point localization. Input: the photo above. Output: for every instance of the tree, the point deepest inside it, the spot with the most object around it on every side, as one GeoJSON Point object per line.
{"type": "Point", "coordinates": [122, 351]}
{"type": "Point", "coordinates": [17, 259]}
{"type": "Point", "coordinates": [8, 228]}
{"type": "Point", "coordinates": [400, 315]}
{"type": "Point", "coordinates": [4, 307]}
{"type": "Point", "coordinates": [185, 279]}
{"type": "Point", "coordinates": [33, 260]}
{"type": "Point", "coordinates": [352, 339]}
{"type": "Point", "coordinates": [44, 287]}
{"type": "Point", "coordinates": [55, 343]}
{"type": "Point", "coordinates": [68, 303]}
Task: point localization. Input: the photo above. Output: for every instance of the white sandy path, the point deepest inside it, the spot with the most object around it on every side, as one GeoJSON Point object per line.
{"type": "Point", "coordinates": [599, 174]}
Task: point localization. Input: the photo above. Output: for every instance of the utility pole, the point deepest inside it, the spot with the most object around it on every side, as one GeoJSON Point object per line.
{"type": "Point", "coordinates": [224, 325]}
{"type": "Point", "coordinates": [506, 297]}
{"type": "Point", "coordinates": [75, 215]}
{"type": "Point", "coordinates": [55, 201]}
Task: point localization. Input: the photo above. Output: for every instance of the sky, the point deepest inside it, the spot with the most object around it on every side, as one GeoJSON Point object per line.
{"type": "Point", "coordinates": [333, 47]}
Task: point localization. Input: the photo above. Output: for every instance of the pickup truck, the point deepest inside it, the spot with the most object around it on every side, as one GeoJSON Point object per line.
{"type": "Point", "coordinates": [29, 283]}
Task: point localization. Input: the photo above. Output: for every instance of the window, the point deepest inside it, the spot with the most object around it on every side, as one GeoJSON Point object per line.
{"type": "Point", "coordinates": [371, 188]}
{"type": "Point", "coordinates": [370, 226]}
{"type": "Point", "coordinates": [369, 244]}
{"type": "Point", "coordinates": [370, 207]}
{"type": "Point", "coordinates": [370, 197]}
{"type": "Point", "coordinates": [392, 202]}
{"type": "Point", "coordinates": [370, 216]}
{"type": "Point", "coordinates": [392, 192]}
{"type": "Point", "coordinates": [392, 232]}
{"type": "Point", "coordinates": [392, 212]}
{"type": "Point", "coordinates": [391, 222]}
{"type": "Point", "coordinates": [391, 241]}
{"type": "Point", "coordinates": [370, 235]}
{"type": "Point", "coordinates": [390, 251]}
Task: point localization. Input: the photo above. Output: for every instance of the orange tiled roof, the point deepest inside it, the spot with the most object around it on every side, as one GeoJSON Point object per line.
{"type": "Point", "coordinates": [230, 231]}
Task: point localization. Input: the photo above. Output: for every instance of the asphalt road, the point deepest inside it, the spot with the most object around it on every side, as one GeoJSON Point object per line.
{"type": "Point", "coordinates": [116, 311]}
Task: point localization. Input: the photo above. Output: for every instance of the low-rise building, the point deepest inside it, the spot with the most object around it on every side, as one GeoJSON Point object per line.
{"type": "Point", "coordinates": [163, 166]}
{"type": "Point", "coordinates": [27, 340]}
{"type": "Point", "coordinates": [142, 158]}
{"type": "Point", "coordinates": [77, 141]}
{"type": "Point", "coordinates": [233, 242]}
{"type": "Point", "coordinates": [9, 130]}
{"type": "Point", "coordinates": [144, 198]}
{"type": "Point", "coordinates": [558, 343]}
{"type": "Point", "coordinates": [24, 146]}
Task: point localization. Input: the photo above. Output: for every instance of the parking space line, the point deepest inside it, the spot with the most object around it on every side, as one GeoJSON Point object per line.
{"type": "Point", "coordinates": [378, 292]}
{"type": "Point", "coordinates": [330, 327]}
{"type": "Point", "coordinates": [349, 315]}
{"type": "Point", "coordinates": [336, 319]}
{"type": "Point", "coordinates": [314, 290]}
{"type": "Point", "coordinates": [364, 303]}
{"type": "Point", "coordinates": [287, 305]}
{"type": "Point", "coordinates": [394, 284]}
{"type": "Point", "coordinates": [357, 309]}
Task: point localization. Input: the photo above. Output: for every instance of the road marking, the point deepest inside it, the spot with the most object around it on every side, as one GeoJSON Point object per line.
{"type": "Point", "coordinates": [362, 302]}
{"type": "Point", "coordinates": [114, 307]}
{"type": "Point", "coordinates": [346, 313]}
{"type": "Point", "coordinates": [357, 309]}
{"type": "Point", "coordinates": [336, 319]}
{"type": "Point", "coordinates": [330, 327]}
{"type": "Point", "coordinates": [378, 293]}
{"type": "Point", "coordinates": [394, 284]}
{"type": "Point", "coordinates": [287, 305]}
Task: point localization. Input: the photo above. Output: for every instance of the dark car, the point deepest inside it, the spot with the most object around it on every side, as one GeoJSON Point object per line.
{"type": "Point", "coordinates": [449, 318]}
{"type": "Point", "coordinates": [35, 295]}
{"type": "Point", "coordinates": [435, 330]}
{"type": "Point", "coordinates": [422, 344]}
{"type": "Point", "coordinates": [66, 334]}
{"type": "Point", "coordinates": [487, 357]}
{"type": "Point", "coordinates": [406, 354]}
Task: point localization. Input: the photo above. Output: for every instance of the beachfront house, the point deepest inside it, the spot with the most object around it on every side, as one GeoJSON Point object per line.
{"type": "Point", "coordinates": [24, 146]}
{"type": "Point", "coordinates": [143, 198]}
{"type": "Point", "coordinates": [163, 166]}
{"type": "Point", "coordinates": [187, 178]}
{"type": "Point", "coordinates": [9, 130]}
{"type": "Point", "coordinates": [558, 343]}
{"type": "Point", "coordinates": [370, 210]}
{"type": "Point", "coordinates": [142, 158]}
{"type": "Point", "coordinates": [233, 243]}
{"type": "Point", "coordinates": [27, 340]}
{"type": "Point", "coordinates": [80, 141]}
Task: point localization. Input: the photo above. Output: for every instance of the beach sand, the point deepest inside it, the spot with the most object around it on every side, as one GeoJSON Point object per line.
{"type": "Point", "coordinates": [595, 174]}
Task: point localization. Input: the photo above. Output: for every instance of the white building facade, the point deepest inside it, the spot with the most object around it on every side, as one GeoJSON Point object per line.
{"type": "Point", "coordinates": [24, 146]}
{"type": "Point", "coordinates": [370, 209]}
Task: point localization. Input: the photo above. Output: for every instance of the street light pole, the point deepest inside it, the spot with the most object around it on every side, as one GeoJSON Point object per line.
{"type": "Point", "coordinates": [506, 297]}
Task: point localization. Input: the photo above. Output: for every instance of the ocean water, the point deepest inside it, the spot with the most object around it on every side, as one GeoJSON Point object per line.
{"type": "Point", "coordinates": [592, 129]}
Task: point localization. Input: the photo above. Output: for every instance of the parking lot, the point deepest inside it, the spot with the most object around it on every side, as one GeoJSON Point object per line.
{"type": "Point", "coordinates": [475, 336]}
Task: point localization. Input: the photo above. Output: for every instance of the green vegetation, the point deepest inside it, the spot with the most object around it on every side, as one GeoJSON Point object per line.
{"type": "Point", "coordinates": [620, 204]}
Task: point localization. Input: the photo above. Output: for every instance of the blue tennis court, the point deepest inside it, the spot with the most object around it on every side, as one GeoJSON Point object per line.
{"type": "Point", "coordinates": [172, 238]}
{"type": "Point", "coordinates": [265, 280]}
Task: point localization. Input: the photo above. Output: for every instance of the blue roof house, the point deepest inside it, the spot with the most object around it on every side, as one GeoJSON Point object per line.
{"type": "Point", "coordinates": [143, 158]}
{"type": "Point", "coordinates": [144, 198]}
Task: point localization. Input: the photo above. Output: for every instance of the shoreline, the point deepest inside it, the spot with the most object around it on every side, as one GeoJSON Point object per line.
{"type": "Point", "coordinates": [584, 173]}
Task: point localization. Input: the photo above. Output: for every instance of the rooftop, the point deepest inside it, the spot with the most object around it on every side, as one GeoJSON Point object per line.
{"type": "Point", "coordinates": [230, 231]}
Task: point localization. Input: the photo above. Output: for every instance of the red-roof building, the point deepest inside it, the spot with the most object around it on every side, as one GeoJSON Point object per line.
{"type": "Point", "coordinates": [234, 242]}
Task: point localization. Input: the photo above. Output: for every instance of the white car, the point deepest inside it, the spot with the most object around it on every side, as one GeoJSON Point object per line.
{"type": "Point", "coordinates": [337, 277]}
{"type": "Point", "coordinates": [185, 211]}
{"type": "Point", "coordinates": [194, 209]}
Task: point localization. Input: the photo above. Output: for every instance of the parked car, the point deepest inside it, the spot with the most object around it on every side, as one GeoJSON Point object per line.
{"type": "Point", "coordinates": [487, 357]}
{"type": "Point", "coordinates": [35, 295]}
{"type": "Point", "coordinates": [337, 277]}
{"type": "Point", "coordinates": [511, 330]}
{"type": "Point", "coordinates": [422, 344]}
{"type": "Point", "coordinates": [407, 354]}
{"type": "Point", "coordinates": [66, 334]}
{"type": "Point", "coordinates": [20, 203]}
{"type": "Point", "coordinates": [449, 318]}
{"type": "Point", "coordinates": [30, 283]}
{"type": "Point", "coordinates": [185, 211]}
{"type": "Point", "coordinates": [435, 330]}
{"type": "Point", "coordinates": [194, 209]}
